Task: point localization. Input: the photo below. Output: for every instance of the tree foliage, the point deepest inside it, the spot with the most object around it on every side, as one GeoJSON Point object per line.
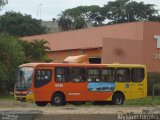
{"type": "Point", "coordinates": [39, 49]}
{"type": "Point", "coordinates": [27, 48]}
{"type": "Point", "coordinates": [78, 17]}
{"type": "Point", "coordinates": [3, 72]}
{"type": "Point", "coordinates": [64, 23]}
{"type": "Point", "coordinates": [2, 3]}
{"type": "Point", "coordinates": [11, 56]}
{"type": "Point", "coordinates": [121, 11]}
{"type": "Point", "coordinates": [79, 23]}
{"type": "Point", "coordinates": [118, 11]}
{"type": "Point", "coordinates": [18, 24]}
{"type": "Point", "coordinates": [14, 52]}
{"type": "Point", "coordinates": [35, 50]}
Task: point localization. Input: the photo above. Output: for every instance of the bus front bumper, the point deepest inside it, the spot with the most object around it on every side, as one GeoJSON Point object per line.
{"type": "Point", "coordinates": [25, 97]}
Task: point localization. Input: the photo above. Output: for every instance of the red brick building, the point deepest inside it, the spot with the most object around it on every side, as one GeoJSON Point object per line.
{"type": "Point", "coordinates": [137, 42]}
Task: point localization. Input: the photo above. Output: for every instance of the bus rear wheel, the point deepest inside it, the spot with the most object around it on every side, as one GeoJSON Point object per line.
{"type": "Point", "coordinates": [58, 99]}
{"type": "Point", "coordinates": [41, 103]}
{"type": "Point", "coordinates": [118, 99]}
{"type": "Point", "coordinates": [99, 103]}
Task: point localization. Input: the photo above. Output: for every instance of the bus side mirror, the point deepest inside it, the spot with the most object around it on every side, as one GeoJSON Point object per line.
{"type": "Point", "coordinates": [21, 73]}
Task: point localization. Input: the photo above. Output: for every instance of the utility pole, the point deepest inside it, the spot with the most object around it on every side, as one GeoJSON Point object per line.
{"type": "Point", "coordinates": [39, 11]}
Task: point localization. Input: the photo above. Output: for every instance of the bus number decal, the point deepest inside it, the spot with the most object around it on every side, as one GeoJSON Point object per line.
{"type": "Point", "coordinates": [58, 85]}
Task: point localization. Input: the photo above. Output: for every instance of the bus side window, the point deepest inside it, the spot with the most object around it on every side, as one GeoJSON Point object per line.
{"type": "Point", "coordinates": [62, 74]}
{"type": "Point", "coordinates": [42, 77]}
{"type": "Point", "coordinates": [123, 74]}
{"type": "Point", "coordinates": [137, 74]}
{"type": "Point", "coordinates": [93, 75]}
{"type": "Point", "coordinates": [38, 74]}
{"type": "Point", "coordinates": [78, 74]}
{"type": "Point", "coordinates": [108, 74]}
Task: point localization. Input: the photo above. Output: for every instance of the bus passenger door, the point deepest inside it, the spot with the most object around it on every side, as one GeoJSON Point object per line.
{"type": "Point", "coordinates": [42, 86]}
{"type": "Point", "coordinates": [71, 81]}
{"type": "Point", "coordinates": [123, 81]}
{"type": "Point", "coordinates": [137, 90]}
{"type": "Point", "coordinates": [77, 89]}
{"type": "Point", "coordinates": [138, 85]}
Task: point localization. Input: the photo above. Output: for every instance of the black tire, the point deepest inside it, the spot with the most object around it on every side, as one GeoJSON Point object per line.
{"type": "Point", "coordinates": [99, 103]}
{"type": "Point", "coordinates": [78, 103]}
{"type": "Point", "coordinates": [58, 99]}
{"type": "Point", "coordinates": [118, 99]}
{"type": "Point", "coordinates": [41, 103]}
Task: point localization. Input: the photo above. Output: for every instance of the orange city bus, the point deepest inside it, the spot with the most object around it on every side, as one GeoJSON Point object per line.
{"type": "Point", "coordinates": [59, 83]}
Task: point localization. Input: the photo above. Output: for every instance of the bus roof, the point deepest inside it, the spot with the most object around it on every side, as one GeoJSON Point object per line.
{"type": "Point", "coordinates": [79, 65]}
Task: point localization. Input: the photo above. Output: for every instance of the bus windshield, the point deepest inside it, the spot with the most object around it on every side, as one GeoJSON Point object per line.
{"type": "Point", "coordinates": [24, 78]}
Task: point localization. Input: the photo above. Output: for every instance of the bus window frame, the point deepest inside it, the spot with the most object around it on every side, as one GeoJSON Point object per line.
{"type": "Point", "coordinates": [35, 77]}
{"type": "Point", "coordinates": [115, 76]}
{"type": "Point", "coordinates": [122, 79]}
{"type": "Point", "coordinates": [55, 75]}
{"type": "Point", "coordinates": [99, 76]}
{"type": "Point", "coordinates": [83, 76]}
{"type": "Point", "coordinates": [143, 77]}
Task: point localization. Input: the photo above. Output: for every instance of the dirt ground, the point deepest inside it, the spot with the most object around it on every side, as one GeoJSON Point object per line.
{"type": "Point", "coordinates": [73, 109]}
{"type": "Point", "coordinates": [72, 112]}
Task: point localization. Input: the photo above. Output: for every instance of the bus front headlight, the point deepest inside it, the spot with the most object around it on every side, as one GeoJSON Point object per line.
{"type": "Point", "coordinates": [30, 92]}
{"type": "Point", "coordinates": [30, 96]}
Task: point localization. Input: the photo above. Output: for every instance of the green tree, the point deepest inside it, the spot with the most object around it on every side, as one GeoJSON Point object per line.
{"type": "Point", "coordinates": [27, 48]}
{"type": "Point", "coordinates": [39, 49]}
{"type": "Point", "coordinates": [3, 72]}
{"type": "Point", "coordinates": [11, 56]}
{"type": "Point", "coordinates": [78, 17]}
{"type": "Point", "coordinates": [64, 23]}
{"type": "Point", "coordinates": [121, 11]}
{"type": "Point", "coordinates": [90, 14]}
{"type": "Point", "coordinates": [17, 24]}
{"type": "Point", "coordinates": [2, 3]}
{"type": "Point", "coordinates": [94, 15]}
{"type": "Point", "coordinates": [118, 11]}
{"type": "Point", "coordinates": [79, 23]}
{"type": "Point", "coordinates": [35, 50]}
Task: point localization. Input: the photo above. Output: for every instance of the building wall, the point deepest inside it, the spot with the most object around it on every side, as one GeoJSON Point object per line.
{"type": "Point", "coordinates": [134, 51]}
{"type": "Point", "coordinates": [96, 52]}
{"type": "Point", "coordinates": [124, 43]}
{"type": "Point", "coordinates": [122, 51]}
{"type": "Point", "coordinates": [59, 56]}
{"type": "Point", "coordinates": [53, 25]}
{"type": "Point", "coordinates": [91, 37]}
{"type": "Point", "coordinates": [151, 52]}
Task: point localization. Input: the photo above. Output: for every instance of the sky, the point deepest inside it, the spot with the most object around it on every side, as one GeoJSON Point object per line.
{"type": "Point", "coordinates": [48, 9]}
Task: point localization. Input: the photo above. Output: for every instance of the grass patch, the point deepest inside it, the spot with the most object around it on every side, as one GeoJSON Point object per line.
{"type": "Point", "coordinates": [145, 101]}
{"type": "Point", "coordinates": [7, 97]}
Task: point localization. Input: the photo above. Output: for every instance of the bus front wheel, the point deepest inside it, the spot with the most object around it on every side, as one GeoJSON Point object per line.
{"type": "Point", "coordinates": [58, 99]}
{"type": "Point", "coordinates": [118, 99]}
{"type": "Point", "coordinates": [41, 103]}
